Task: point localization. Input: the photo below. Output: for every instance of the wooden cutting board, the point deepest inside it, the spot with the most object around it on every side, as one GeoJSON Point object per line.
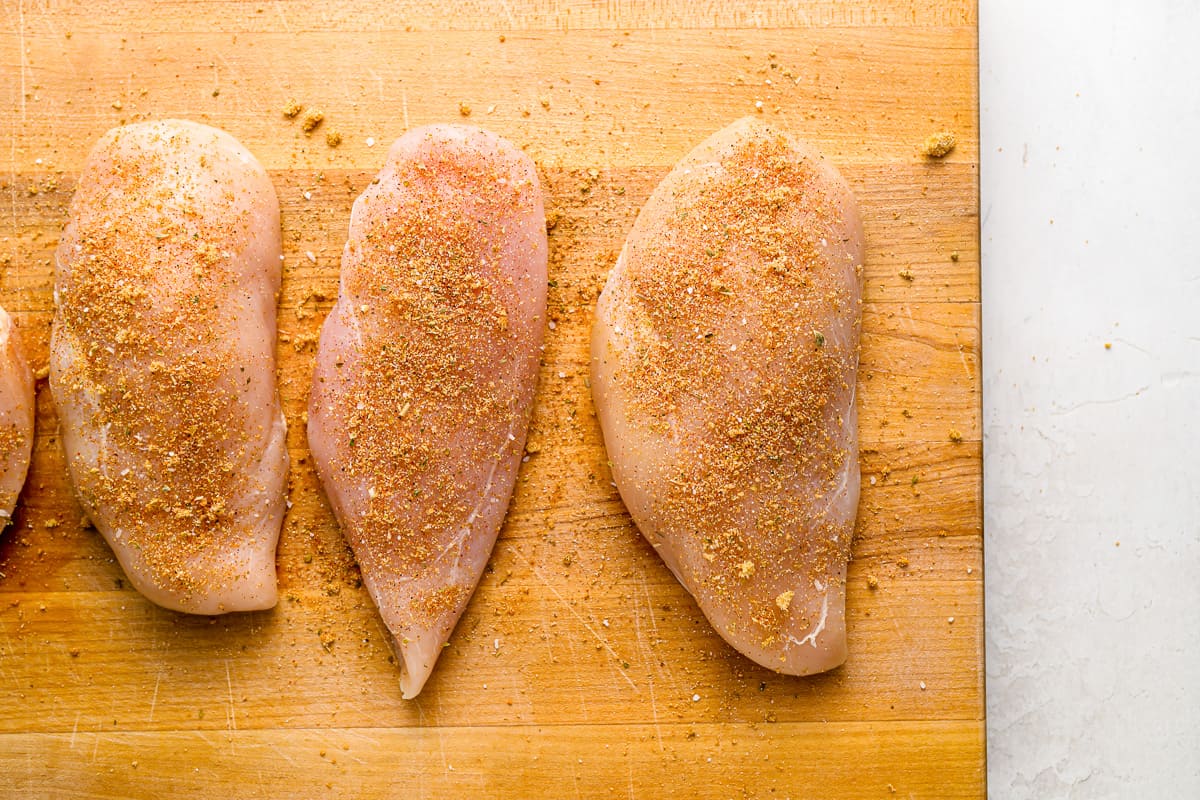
{"type": "Point", "coordinates": [581, 668]}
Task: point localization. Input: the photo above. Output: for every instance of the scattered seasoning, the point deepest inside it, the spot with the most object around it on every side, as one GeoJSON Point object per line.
{"type": "Point", "coordinates": [784, 600]}
{"type": "Point", "coordinates": [954, 256]}
{"type": "Point", "coordinates": [907, 274]}
{"type": "Point", "coordinates": [1108, 345]}
{"type": "Point", "coordinates": [464, 110]}
{"type": "Point", "coordinates": [872, 582]}
{"type": "Point", "coordinates": [956, 436]}
{"type": "Point", "coordinates": [292, 109]}
{"type": "Point", "coordinates": [939, 145]}
{"type": "Point", "coordinates": [333, 138]}
{"type": "Point", "coordinates": [311, 121]}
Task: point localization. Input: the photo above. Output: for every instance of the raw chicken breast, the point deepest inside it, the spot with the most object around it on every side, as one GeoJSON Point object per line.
{"type": "Point", "coordinates": [723, 369]}
{"type": "Point", "coordinates": [16, 417]}
{"type": "Point", "coordinates": [162, 363]}
{"type": "Point", "coordinates": [425, 375]}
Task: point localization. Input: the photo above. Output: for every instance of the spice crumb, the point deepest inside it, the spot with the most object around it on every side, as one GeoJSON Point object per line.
{"type": "Point", "coordinates": [939, 145]}
{"type": "Point", "coordinates": [907, 274]}
{"type": "Point", "coordinates": [464, 109]}
{"type": "Point", "coordinates": [784, 600]}
{"type": "Point", "coordinates": [311, 120]}
{"type": "Point", "coordinates": [1108, 345]}
{"type": "Point", "coordinates": [872, 582]}
{"type": "Point", "coordinates": [954, 256]}
{"type": "Point", "coordinates": [292, 109]}
{"type": "Point", "coordinates": [956, 436]}
{"type": "Point", "coordinates": [333, 138]}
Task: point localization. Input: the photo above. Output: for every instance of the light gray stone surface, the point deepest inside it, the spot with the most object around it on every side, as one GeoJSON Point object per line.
{"type": "Point", "coordinates": [1090, 117]}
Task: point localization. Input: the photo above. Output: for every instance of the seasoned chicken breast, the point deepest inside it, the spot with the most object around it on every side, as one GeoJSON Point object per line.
{"type": "Point", "coordinates": [16, 417]}
{"type": "Point", "coordinates": [163, 363]}
{"type": "Point", "coordinates": [723, 371]}
{"type": "Point", "coordinates": [425, 375]}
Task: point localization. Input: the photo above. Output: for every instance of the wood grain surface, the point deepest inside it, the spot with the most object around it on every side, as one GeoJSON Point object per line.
{"type": "Point", "coordinates": [581, 667]}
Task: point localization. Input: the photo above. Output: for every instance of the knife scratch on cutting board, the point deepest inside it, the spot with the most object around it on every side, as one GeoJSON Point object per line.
{"type": "Point", "coordinates": [599, 637]}
{"type": "Point", "coordinates": [232, 712]}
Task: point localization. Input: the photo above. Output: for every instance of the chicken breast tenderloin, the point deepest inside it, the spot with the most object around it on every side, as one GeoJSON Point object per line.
{"type": "Point", "coordinates": [425, 375]}
{"type": "Point", "coordinates": [17, 412]}
{"type": "Point", "coordinates": [723, 371]}
{"type": "Point", "coordinates": [162, 363]}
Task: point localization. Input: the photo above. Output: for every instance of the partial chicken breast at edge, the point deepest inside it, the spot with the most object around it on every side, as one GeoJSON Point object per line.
{"type": "Point", "coordinates": [17, 413]}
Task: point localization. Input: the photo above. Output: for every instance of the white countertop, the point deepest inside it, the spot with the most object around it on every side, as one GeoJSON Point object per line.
{"type": "Point", "coordinates": [1090, 120]}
